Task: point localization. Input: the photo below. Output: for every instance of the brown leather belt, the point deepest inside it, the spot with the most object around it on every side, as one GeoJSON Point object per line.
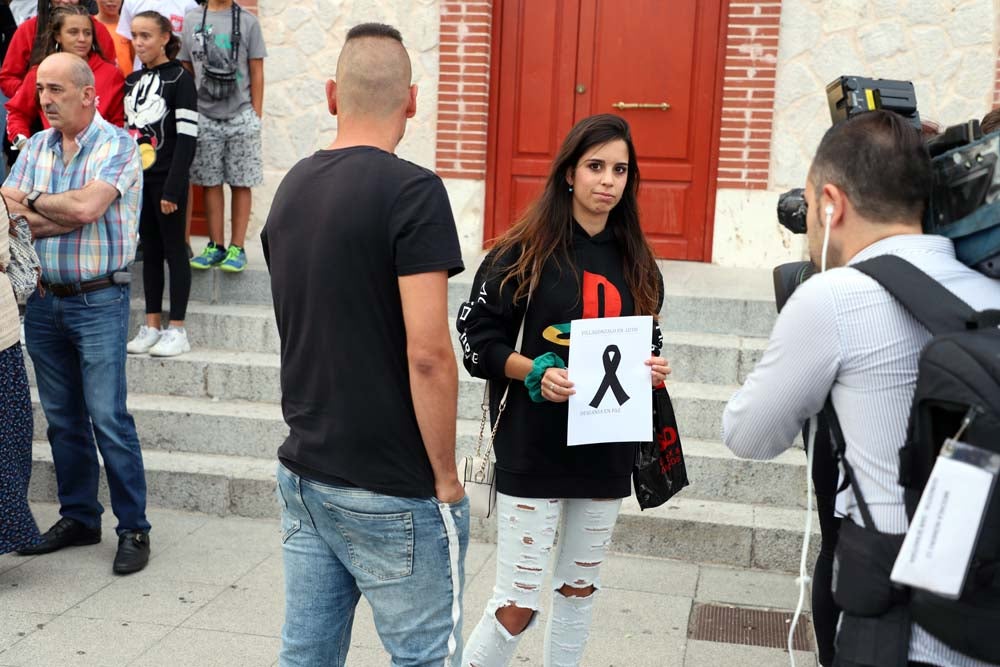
{"type": "Point", "coordinates": [75, 289]}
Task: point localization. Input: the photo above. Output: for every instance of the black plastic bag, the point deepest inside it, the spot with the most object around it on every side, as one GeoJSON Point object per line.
{"type": "Point", "coordinates": [659, 470]}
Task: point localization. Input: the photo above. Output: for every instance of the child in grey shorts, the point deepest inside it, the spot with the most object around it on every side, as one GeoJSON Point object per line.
{"type": "Point", "coordinates": [223, 46]}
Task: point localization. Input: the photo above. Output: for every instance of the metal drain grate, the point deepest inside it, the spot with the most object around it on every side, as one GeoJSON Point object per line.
{"type": "Point", "coordinates": [750, 627]}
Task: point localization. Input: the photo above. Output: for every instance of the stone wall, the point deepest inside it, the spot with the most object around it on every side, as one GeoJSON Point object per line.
{"type": "Point", "coordinates": [946, 47]}
{"type": "Point", "coordinates": [303, 41]}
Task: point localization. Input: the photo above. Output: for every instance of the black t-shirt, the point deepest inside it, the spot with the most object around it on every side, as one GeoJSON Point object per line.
{"type": "Point", "coordinates": [343, 226]}
{"type": "Point", "coordinates": [533, 460]}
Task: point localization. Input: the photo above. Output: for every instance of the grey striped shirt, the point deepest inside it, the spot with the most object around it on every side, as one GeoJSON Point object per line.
{"type": "Point", "coordinates": [842, 332]}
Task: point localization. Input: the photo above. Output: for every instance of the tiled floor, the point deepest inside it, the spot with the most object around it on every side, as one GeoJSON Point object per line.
{"type": "Point", "coordinates": [212, 595]}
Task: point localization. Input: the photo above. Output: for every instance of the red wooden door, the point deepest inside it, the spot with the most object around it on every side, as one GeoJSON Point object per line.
{"type": "Point", "coordinates": [558, 62]}
{"type": "Point", "coordinates": [199, 225]}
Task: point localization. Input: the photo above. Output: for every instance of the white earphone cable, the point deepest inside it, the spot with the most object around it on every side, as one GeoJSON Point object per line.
{"type": "Point", "coordinates": [826, 237]}
{"type": "Point", "coordinates": [804, 579]}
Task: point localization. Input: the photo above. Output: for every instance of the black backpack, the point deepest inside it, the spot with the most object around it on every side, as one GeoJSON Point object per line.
{"type": "Point", "coordinates": [958, 381]}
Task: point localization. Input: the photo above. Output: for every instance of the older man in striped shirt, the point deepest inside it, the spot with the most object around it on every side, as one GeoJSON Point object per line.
{"type": "Point", "coordinates": [79, 185]}
{"type": "Point", "coordinates": [841, 333]}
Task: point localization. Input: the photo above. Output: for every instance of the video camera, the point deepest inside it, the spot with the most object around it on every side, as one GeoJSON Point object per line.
{"type": "Point", "coordinates": [964, 202]}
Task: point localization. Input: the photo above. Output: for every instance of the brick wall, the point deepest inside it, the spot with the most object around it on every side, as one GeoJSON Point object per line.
{"type": "Point", "coordinates": [748, 93]}
{"type": "Point", "coordinates": [464, 88]}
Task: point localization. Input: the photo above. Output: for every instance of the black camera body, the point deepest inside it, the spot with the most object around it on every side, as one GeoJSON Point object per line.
{"type": "Point", "coordinates": [850, 95]}
{"type": "Point", "coordinates": [964, 202]}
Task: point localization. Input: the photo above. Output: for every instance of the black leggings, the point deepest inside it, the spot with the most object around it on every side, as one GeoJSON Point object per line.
{"type": "Point", "coordinates": [825, 611]}
{"type": "Point", "coordinates": [162, 238]}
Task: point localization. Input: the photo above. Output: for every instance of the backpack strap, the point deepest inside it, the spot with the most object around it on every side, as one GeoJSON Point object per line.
{"type": "Point", "coordinates": [840, 449]}
{"type": "Point", "coordinates": [927, 300]}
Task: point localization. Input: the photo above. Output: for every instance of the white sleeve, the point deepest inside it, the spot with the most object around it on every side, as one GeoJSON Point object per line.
{"type": "Point", "coordinates": [791, 382]}
{"type": "Point", "coordinates": [125, 20]}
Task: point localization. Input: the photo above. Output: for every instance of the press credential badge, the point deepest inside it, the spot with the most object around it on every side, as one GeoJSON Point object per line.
{"type": "Point", "coordinates": [938, 547]}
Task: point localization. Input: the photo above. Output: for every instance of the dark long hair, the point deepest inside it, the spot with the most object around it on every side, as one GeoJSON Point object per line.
{"type": "Point", "coordinates": [545, 231]}
{"type": "Point", "coordinates": [44, 15]}
{"type": "Point", "coordinates": [50, 32]}
{"type": "Point", "coordinates": [173, 46]}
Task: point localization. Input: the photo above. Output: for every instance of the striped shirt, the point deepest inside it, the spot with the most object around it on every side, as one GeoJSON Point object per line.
{"type": "Point", "coordinates": [841, 332]}
{"type": "Point", "coordinates": [106, 153]}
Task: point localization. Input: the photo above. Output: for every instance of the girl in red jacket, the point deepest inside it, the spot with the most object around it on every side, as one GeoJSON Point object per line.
{"type": "Point", "coordinates": [71, 30]}
{"type": "Point", "coordinates": [27, 47]}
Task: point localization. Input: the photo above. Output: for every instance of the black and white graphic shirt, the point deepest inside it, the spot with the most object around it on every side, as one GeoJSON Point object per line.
{"type": "Point", "coordinates": [161, 113]}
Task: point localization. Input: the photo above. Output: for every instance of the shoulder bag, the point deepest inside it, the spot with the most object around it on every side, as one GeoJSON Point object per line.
{"type": "Point", "coordinates": [478, 472]}
{"type": "Point", "coordinates": [659, 470]}
{"type": "Point", "coordinates": [24, 269]}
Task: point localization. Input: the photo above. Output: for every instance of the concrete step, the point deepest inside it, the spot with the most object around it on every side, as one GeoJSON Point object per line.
{"type": "Point", "coordinates": [711, 358]}
{"type": "Point", "coordinates": [252, 286]}
{"type": "Point", "coordinates": [222, 485]}
{"type": "Point", "coordinates": [248, 328]}
{"type": "Point", "coordinates": [694, 357]}
{"type": "Point", "coordinates": [700, 357]}
{"type": "Point", "coordinates": [256, 430]}
{"type": "Point", "coordinates": [699, 297]}
{"type": "Point", "coordinates": [252, 376]}
{"type": "Point", "coordinates": [685, 528]}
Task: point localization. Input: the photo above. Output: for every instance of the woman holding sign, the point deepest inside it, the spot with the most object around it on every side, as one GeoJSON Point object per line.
{"type": "Point", "coordinates": [577, 253]}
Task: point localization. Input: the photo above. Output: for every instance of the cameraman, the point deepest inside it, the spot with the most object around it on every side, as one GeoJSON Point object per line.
{"type": "Point", "coordinates": [842, 334]}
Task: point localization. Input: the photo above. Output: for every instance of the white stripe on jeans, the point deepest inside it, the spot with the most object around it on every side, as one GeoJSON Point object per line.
{"type": "Point", "coordinates": [454, 551]}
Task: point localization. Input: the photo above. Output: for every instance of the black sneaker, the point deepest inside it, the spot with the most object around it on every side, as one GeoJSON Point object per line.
{"type": "Point", "coordinates": [133, 552]}
{"type": "Point", "coordinates": [65, 533]}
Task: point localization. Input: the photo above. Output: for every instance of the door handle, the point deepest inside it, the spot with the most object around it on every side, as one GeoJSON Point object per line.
{"type": "Point", "coordinates": [662, 106]}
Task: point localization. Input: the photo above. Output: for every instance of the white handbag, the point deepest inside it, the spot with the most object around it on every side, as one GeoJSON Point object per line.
{"type": "Point", "coordinates": [478, 473]}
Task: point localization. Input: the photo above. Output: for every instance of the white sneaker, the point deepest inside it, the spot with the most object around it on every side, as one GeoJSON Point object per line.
{"type": "Point", "coordinates": [172, 342]}
{"type": "Point", "coordinates": [144, 340]}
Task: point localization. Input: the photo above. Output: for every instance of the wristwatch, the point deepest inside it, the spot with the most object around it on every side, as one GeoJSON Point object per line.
{"type": "Point", "coordinates": [19, 142]}
{"type": "Point", "coordinates": [30, 200]}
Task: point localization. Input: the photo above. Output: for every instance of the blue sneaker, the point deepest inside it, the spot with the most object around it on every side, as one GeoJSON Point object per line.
{"type": "Point", "coordinates": [211, 256]}
{"type": "Point", "coordinates": [235, 261]}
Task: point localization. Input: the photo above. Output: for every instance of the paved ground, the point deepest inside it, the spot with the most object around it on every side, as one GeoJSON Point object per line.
{"type": "Point", "coordinates": [212, 595]}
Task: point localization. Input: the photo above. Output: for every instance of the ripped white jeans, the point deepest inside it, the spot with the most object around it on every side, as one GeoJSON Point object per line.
{"type": "Point", "coordinates": [526, 532]}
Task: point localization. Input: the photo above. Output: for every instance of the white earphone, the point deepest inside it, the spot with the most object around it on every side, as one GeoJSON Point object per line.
{"type": "Point", "coordinates": [826, 235]}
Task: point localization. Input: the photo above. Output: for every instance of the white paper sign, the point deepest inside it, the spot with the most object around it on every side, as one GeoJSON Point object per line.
{"type": "Point", "coordinates": [613, 399]}
{"type": "Point", "coordinates": [938, 546]}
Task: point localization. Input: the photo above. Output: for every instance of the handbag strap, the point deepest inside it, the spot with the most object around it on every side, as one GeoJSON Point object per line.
{"type": "Point", "coordinates": [234, 35]}
{"type": "Point", "coordinates": [503, 399]}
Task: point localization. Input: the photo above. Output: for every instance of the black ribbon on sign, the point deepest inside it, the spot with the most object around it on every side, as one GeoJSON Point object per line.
{"type": "Point", "coordinates": [612, 358]}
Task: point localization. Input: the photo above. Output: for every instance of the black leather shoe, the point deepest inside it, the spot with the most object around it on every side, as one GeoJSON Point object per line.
{"type": "Point", "coordinates": [133, 552]}
{"type": "Point", "coordinates": [65, 533]}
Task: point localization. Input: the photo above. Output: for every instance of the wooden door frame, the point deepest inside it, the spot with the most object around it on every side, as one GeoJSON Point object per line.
{"type": "Point", "coordinates": [492, 123]}
{"type": "Point", "coordinates": [492, 130]}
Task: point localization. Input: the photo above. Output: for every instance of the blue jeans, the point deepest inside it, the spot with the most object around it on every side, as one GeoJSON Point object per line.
{"type": "Point", "coordinates": [406, 555]}
{"type": "Point", "coordinates": [77, 345]}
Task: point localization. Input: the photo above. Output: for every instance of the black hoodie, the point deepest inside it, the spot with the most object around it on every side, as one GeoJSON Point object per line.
{"type": "Point", "coordinates": [161, 113]}
{"type": "Point", "coordinates": [533, 460]}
